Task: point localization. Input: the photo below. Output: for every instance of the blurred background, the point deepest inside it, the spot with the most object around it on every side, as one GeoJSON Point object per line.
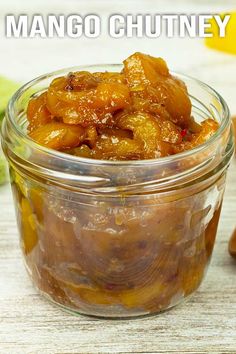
{"type": "Point", "coordinates": [24, 59]}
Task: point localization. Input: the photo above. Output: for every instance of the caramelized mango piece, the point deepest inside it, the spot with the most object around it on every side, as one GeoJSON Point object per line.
{"type": "Point", "coordinates": [141, 70]}
{"type": "Point", "coordinates": [80, 80]}
{"type": "Point", "coordinates": [84, 80]}
{"type": "Point", "coordinates": [111, 96]}
{"type": "Point", "coordinates": [177, 101]}
{"type": "Point", "coordinates": [151, 74]}
{"type": "Point", "coordinates": [170, 133]}
{"type": "Point", "coordinates": [110, 77]}
{"type": "Point", "coordinates": [91, 137]}
{"type": "Point", "coordinates": [37, 112]}
{"type": "Point", "coordinates": [208, 128]}
{"type": "Point", "coordinates": [147, 132]}
{"type": "Point", "coordinates": [141, 102]}
{"type": "Point", "coordinates": [83, 151]}
{"type": "Point", "coordinates": [113, 148]}
{"type": "Point", "coordinates": [58, 136]}
{"type": "Point", "coordinates": [86, 106]}
{"type": "Point", "coordinates": [29, 231]}
{"type": "Point", "coordinates": [69, 106]}
{"type": "Point", "coordinates": [36, 198]}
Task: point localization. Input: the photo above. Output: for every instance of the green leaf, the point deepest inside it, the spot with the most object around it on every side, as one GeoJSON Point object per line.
{"type": "Point", "coordinates": [7, 89]}
{"type": "Point", "coordinates": [3, 170]}
{"type": "Point", "coordinates": [1, 116]}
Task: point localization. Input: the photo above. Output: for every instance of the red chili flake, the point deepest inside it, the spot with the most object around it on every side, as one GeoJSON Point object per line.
{"type": "Point", "coordinates": [183, 133]}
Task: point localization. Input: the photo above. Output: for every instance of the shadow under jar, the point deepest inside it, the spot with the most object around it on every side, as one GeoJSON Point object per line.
{"type": "Point", "coordinates": [117, 238]}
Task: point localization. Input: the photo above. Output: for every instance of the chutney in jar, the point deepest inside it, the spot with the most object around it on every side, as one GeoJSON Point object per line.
{"type": "Point", "coordinates": [142, 112]}
{"type": "Point", "coordinates": [119, 190]}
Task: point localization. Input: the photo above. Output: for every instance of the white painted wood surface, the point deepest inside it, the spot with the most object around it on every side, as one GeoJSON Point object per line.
{"type": "Point", "coordinates": [31, 325]}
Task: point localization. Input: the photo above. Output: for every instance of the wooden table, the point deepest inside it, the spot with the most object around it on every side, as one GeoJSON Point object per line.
{"type": "Point", "coordinates": [204, 324]}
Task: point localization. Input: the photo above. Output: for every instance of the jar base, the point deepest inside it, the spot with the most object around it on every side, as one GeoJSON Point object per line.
{"type": "Point", "coordinates": [112, 317]}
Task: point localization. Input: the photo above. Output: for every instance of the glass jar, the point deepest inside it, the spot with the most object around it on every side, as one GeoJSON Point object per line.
{"type": "Point", "coordinates": [3, 168]}
{"type": "Point", "coordinates": [117, 239]}
{"type": "Point", "coordinates": [3, 163]}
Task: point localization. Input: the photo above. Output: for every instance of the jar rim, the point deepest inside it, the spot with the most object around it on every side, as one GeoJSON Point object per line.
{"type": "Point", "coordinates": [225, 123]}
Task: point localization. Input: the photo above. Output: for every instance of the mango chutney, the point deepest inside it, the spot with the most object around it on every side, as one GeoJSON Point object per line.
{"type": "Point", "coordinates": [142, 112]}
{"type": "Point", "coordinates": [118, 176]}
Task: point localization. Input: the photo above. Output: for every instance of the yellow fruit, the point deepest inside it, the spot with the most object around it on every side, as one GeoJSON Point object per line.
{"type": "Point", "coordinates": [225, 44]}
